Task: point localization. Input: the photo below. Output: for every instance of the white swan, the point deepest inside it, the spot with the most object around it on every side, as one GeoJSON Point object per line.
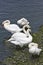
{"type": "Point", "coordinates": [23, 21]}
{"type": "Point", "coordinates": [11, 27]}
{"type": "Point", "coordinates": [20, 38]}
{"type": "Point", "coordinates": [32, 44]}
{"type": "Point", "coordinates": [33, 49]}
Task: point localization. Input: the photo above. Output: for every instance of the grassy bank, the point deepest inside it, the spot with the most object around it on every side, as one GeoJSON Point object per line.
{"type": "Point", "coordinates": [21, 56]}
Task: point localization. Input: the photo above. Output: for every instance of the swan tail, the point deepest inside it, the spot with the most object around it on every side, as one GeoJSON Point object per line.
{"type": "Point", "coordinates": [39, 51]}
{"type": "Point", "coordinates": [10, 39]}
{"type": "Point", "coordinates": [15, 42]}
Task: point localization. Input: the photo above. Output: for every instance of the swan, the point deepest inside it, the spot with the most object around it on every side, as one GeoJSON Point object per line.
{"type": "Point", "coordinates": [23, 21]}
{"type": "Point", "coordinates": [11, 27]}
{"type": "Point", "coordinates": [32, 44]}
{"type": "Point", "coordinates": [20, 38]}
{"type": "Point", "coordinates": [33, 49]}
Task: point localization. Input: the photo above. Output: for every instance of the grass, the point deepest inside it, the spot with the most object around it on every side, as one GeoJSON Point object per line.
{"type": "Point", "coordinates": [21, 56]}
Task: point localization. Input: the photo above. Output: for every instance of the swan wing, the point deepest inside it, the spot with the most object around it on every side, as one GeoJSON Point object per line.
{"type": "Point", "coordinates": [13, 28]}
{"type": "Point", "coordinates": [20, 37]}
{"type": "Point", "coordinates": [18, 34]}
{"type": "Point", "coordinates": [15, 42]}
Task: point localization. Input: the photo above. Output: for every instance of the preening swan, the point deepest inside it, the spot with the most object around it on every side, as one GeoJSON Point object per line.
{"type": "Point", "coordinates": [20, 38]}
{"type": "Point", "coordinates": [33, 49]}
{"type": "Point", "coordinates": [11, 27]}
{"type": "Point", "coordinates": [23, 21]}
{"type": "Point", "coordinates": [32, 44]}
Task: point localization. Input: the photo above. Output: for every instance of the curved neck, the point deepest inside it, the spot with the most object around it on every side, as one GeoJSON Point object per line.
{"type": "Point", "coordinates": [26, 31]}
{"type": "Point", "coordinates": [6, 24]}
{"type": "Point", "coordinates": [25, 28]}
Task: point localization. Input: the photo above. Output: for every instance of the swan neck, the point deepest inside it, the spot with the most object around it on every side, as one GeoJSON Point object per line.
{"type": "Point", "coordinates": [6, 24]}
{"type": "Point", "coordinates": [28, 34]}
{"type": "Point", "coordinates": [24, 28]}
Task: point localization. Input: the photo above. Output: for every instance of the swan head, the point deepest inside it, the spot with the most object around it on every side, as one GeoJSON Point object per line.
{"type": "Point", "coordinates": [6, 22]}
{"type": "Point", "coordinates": [32, 45]}
{"type": "Point", "coordinates": [26, 28]}
{"type": "Point", "coordinates": [29, 30]}
{"type": "Point", "coordinates": [22, 21]}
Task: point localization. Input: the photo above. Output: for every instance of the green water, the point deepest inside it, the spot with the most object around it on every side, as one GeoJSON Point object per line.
{"type": "Point", "coordinates": [21, 56]}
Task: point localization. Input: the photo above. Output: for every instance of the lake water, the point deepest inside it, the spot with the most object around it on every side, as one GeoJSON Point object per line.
{"type": "Point", "coordinates": [14, 10]}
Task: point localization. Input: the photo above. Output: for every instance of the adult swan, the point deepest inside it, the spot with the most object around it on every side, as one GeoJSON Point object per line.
{"type": "Point", "coordinates": [11, 27]}
{"type": "Point", "coordinates": [23, 21]}
{"type": "Point", "coordinates": [20, 38]}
